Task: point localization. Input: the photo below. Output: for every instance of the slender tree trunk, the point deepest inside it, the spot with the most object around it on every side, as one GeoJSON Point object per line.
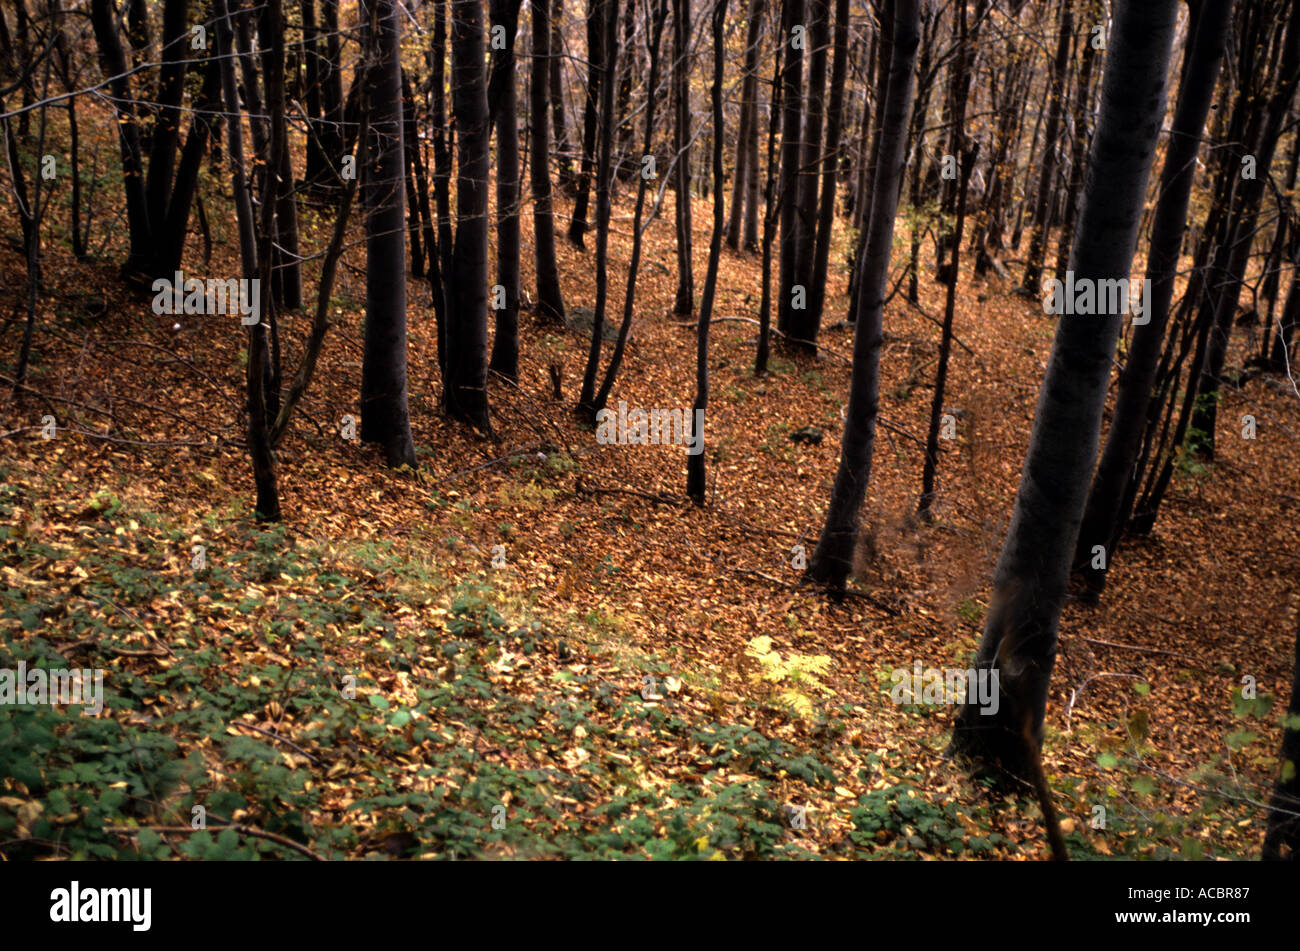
{"type": "Point", "coordinates": [770, 209]}
{"type": "Point", "coordinates": [113, 62]}
{"type": "Point", "coordinates": [604, 173]}
{"type": "Point", "coordinates": [830, 171]}
{"type": "Point", "coordinates": [441, 184]}
{"type": "Point", "coordinates": [744, 171]}
{"type": "Point", "coordinates": [259, 439]}
{"type": "Point", "coordinates": [1102, 519]}
{"type": "Point", "coordinates": [176, 223]}
{"type": "Point", "coordinates": [331, 92]}
{"type": "Point", "coordinates": [684, 304]}
{"type": "Point", "coordinates": [555, 77]}
{"type": "Point", "coordinates": [597, 11]}
{"type": "Point", "coordinates": [1020, 632]}
{"type": "Point", "coordinates": [166, 129]}
{"type": "Point", "coordinates": [696, 487]}
{"type": "Point", "coordinates": [958, 145]}
{"type": "Point", "coordinates": [832, 560]}
{"type": "Point", "coordinates": [385, 416]}
{"type": "Point", "coordinates": [1233, 257]}
{"type": "Point", "coordinates": [804, 323]}
{"type": "Point", "coordinates": [629, 299]}
{"type": "Point", "coordinates": [501, 96]}
{"type": "Point", "coordinates": [1047, 177]}
{"type": "Point", "coordinates": [317, 167]}
{"type": "Point", "coordinates": [550, 302]}
{"type": "Point", "coordinates": [791, 155]}
{"type": "Point", "coordinates": [287, 283]}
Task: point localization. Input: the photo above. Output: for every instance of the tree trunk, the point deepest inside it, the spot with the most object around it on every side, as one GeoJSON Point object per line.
{"type": "Point", "coordinates": [166, 128]}
{"type": "Point", "coordinates": [113, 62]}
{"type": "Point", "coordinates": [501, 96]}
{"type": "Point", "coordinates": [1020, 633]}
{"type": "Point", "coordinates": [791, 155]}
{"type": "Point", "coordinates": [467, 345]}
{"type": "Point", "coordinates": [830, 171]}
{"type": "Point", "coordinates": [597, 11]}
{"type": "Point", "coordinates": [696, 488]}
{"type": "Point", "coordinates": [1103, 517]}
{"type": "Point", "coordinates": [1047, 176]}
{"type": "Point", "coordinates": [744, 171]}
{"type": "Point", "coordinates": [832, 560]}
{"type": "Point", "coordinates": [629, 298]}
{"type": "Point", "coordinates": [684, 303]}
{"type": "Point", "coordinates": [550, 302]}
{"type": "Point", "coordinates": [604, 172]}
{"type": "Point", "coordinates": [385, 417]}
{"type": "Point", "coordinates": [1234, 256]}
{"type": "Point", "coordinates": [803, 322]}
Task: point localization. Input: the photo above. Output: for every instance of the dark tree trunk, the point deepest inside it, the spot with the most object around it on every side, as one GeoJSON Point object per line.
{"type": "Point", "coordinates": [287, 281]}
{"type": "Point", "coordinates": [1020, 633]}
{"type": "Point", "coordinates": [1234, 256]}
{"type": "Point", "coordinates": [1047, 176]}
{"type": "Point", "coordinates": [696, 487]}
{"type": "Point", "coordinates": [501, 96]}
{"type": "Point", "coordinates": [832, 560]}
{"type": "Point", "coordinates": [830, 172]}
{"type": "Point", "coordinates": [604, 172]}
{"type": "Point", "coordinates": [770, 211]}
{"type": "Point", "coordinates": [555, 77]}
{"type": "Point", "coordinates": [413, 173]}
{"type": "Point", "coordinates": [804, 322]}
{"type": "Point", "coordinates": [597, 11]}
{"type": "Point", "coordinates": [317, 167]}
{"type": "Point", "coordinates": [239, 185]}
{"type": "Point", "coordinates": [958, 145]}
{"type": "Point", "coordinates": [656, 29]}
{"type": "Point", "coordinates": [259, 415]}
{"type": "Point", "coordinates": [684, 303]}
{"type": "Point", "coordinates": [175, 227]}
{"type": "Point", "coordinates": [113, 63]}
{"type": "Point", "coordinates": [791, 155]}
{"type": "Point", "coordinates": [385, 417]}
{"type": "Point", "coordinates": [166, 128]}
{"type": "Point", "coordinates": [752, 191]}
{"type": "Point", "coordinates": [1104, 515]}
{"type": "Point", "coordinates": [467, 333]}
{"type": "Point", "coordinates": [550, 302]}
{"type": "Point", "coordinates": [626, 75]}
{"type": "Point", "coordinates": [331, 93]}
{"type": "Point", "coordinates": [1078, 151]}
{"type": "Point", "coordinates": [441, 185]}
{"type": "Point", "coordinates": [745, 172]}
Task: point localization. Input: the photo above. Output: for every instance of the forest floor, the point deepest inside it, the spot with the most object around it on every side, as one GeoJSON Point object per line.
{"type": "Point", "coordinates": [637, 676]}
